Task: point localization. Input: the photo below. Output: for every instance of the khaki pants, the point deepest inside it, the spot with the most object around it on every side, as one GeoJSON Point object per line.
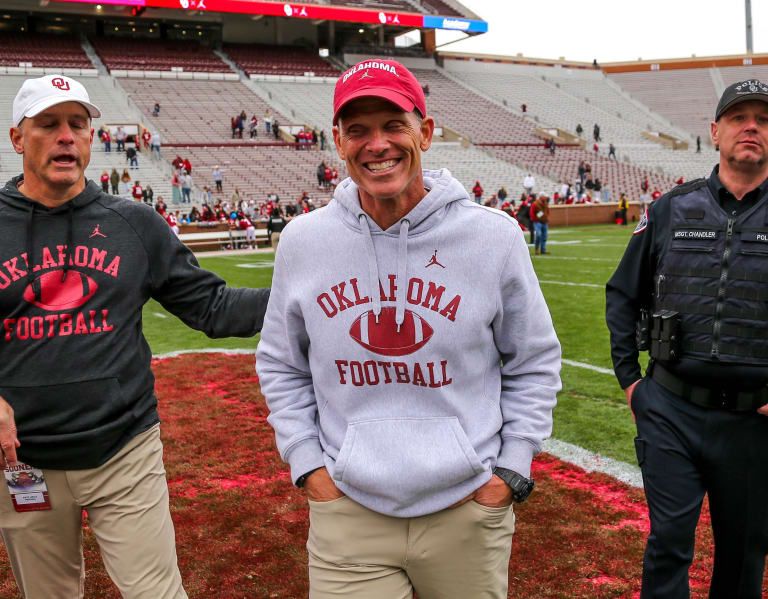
{"type": "Point", "coordinates": [275, 239]}
{"type": "Point", "coordinates": [127, 503]}
{"type": "Point", "coordinates": [459, 553]}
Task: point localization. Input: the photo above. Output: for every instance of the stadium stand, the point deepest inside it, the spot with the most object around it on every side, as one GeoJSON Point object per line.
{"type": "Point", "coordinates": [158, 55]}
{"type": "Point", "coordinates": [42, 51]}
{"type": "Point", "coordinates": [438, 7]}
{"type": "Point", "coordinates": [278, 60]}
{"type": "Point", "coordinates": [688, 98]}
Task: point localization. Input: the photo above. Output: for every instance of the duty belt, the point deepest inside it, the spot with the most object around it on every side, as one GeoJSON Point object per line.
{"type": "Point", "coordinates": [706, 397]}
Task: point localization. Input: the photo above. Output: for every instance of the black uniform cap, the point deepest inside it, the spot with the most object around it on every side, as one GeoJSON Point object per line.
{"type": "Point", "coordinates": [751, 89]}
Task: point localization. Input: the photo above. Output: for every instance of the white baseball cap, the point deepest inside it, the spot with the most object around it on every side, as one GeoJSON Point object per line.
{"type": "Point", "coordinates": [37, 95]}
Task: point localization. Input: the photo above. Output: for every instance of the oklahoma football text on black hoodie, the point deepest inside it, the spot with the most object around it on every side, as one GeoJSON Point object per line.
{"type": "Point", "coordinates": [74, 363]}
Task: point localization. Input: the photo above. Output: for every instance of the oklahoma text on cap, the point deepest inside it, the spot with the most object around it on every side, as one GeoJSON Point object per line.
{"type": "Point", "coordinates": [386, 79]}
{"type": "Point", "coordinates": [739, 92]}
{"type": "Point", "coordinates": [37, 95]}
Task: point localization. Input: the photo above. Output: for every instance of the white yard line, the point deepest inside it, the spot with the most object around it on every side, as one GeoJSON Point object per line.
{"type": "Point", "coordinates": [587, 366]}
{"type": "Point", "coordinates": [571, 284]}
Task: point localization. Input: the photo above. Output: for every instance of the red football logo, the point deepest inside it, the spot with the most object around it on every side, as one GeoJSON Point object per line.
{"type": "Point", "coordinates": [382, 337]}
{"type": "Point", "coordinates": [50, 293]}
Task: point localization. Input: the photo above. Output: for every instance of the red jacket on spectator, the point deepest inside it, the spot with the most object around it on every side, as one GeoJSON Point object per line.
{"type": "Point", "coordinates": [137, 193]}
{"type": "Point", "coordinates": [187, 166]}
{"type": "Point", "coordinates": [656, 194]}
{"type": "Point", "coordinates": [104, 178]}
{"type": "Point", "coordinates": [244, 222]}
{"type": "Point", "coordinates": [477, 190]}
{"type": "Point", "coordinates": [178, 163]}
{"type": "Point", "coordinates": [147, 137]}
{"type": "Point", "coordinates": [170, 218]}
{"type": "Point", "coordinates": [105, 136]}
{"type": "Point", "coordinates": [327, 173]}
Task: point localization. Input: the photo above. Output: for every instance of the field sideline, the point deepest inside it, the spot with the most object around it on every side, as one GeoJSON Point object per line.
{"type": "Point", "coordinates": [591, 412]}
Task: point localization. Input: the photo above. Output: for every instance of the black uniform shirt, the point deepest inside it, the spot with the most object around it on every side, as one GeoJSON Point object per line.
{"type": "Point", "coordinates": [631, 286]}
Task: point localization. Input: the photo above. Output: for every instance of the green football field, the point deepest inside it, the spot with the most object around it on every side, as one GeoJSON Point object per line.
{"type": "Point", "coordinates": [591, 411]}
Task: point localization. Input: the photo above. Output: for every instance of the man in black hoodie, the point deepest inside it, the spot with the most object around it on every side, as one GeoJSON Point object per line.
{"type": "Point", "coordinates": [77, 403]}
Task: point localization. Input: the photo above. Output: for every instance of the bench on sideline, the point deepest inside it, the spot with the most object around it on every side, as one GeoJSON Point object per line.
{"type": "Point", "coordinates": [222, 240]}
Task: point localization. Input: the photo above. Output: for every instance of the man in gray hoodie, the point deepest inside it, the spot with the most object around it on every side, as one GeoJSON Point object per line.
{"type": "Point", "coordinates": [410, 371]}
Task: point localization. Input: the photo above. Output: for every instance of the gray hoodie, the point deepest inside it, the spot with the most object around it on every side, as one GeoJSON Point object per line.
{"type": "Point", "coordinates": [409, 362]}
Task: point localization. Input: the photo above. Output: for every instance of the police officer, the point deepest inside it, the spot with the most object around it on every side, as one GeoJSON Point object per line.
{"type": "Point", "coordinates": [698, 263]}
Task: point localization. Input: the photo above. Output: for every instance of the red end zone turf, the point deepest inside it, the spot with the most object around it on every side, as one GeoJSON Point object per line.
{"type": "Point", "coordinates": [241, 526]}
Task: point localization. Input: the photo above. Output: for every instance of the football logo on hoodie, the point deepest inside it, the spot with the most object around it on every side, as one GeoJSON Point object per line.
{"type": "Point", "coordinates": [382, 337]}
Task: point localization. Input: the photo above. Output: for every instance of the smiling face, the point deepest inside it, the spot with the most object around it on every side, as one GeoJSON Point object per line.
{"type": "Point", "coordinates": [382, 147]}
{"type": "Point", "coordinates": [742, 135]}
{"type": "Point", "coordinates": [56, 146]}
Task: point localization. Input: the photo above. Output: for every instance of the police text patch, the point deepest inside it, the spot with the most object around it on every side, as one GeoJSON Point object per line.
{"type": "Point", "coordinates": [760, 236]}
{"type": "Point", "coordinates": [695, 234]}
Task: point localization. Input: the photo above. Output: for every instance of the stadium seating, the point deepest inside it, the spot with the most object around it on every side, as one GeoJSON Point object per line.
{"type": "Point", "coordinates": [278, 60]}
{"type": "Point", "coordinates": [130, 54]}
{"type": "Point", "coordinates": [42, 51]}
{"type": "Point", "coordinates": [689, 95]}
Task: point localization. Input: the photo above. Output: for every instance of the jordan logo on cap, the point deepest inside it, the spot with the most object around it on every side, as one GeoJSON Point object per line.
{"type": "Point", "coordinates": [60, 83]}
{"type": "Point", "coordinates": [364, 75]}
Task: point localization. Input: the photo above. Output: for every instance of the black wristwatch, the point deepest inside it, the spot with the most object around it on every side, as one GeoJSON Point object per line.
{"type": "Point", "coordinates": [521, 486]}
{"type": "Point", "coordinates": [303, 478]}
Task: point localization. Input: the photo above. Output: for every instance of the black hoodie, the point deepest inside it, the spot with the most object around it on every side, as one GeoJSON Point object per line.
{"type": "Point", "coordinates": [74, 364]}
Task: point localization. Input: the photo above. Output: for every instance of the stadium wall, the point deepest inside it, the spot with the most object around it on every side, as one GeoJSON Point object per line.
{"type": "Point", "coordinates": [589, 214]}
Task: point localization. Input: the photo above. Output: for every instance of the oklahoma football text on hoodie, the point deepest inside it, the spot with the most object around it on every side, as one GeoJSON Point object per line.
{"type": "Point", "coordinates": [409, 362]}
{"type": "Point", "coordinates": [74, 364]}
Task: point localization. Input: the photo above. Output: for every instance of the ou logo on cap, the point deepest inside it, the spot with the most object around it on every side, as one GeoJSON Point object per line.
{"type": "Point", "coordinates": [60, 83]}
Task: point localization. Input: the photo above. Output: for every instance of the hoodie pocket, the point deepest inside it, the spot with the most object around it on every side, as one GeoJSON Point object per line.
{"type": "Point", "coordinates": [406, 459]}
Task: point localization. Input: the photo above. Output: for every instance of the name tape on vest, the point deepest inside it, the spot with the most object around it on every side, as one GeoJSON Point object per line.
{"type": "Point", "coordinates": [695, 234]}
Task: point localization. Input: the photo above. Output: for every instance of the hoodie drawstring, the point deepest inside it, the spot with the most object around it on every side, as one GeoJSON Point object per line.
{"type": "Point", "coordinates": [402, 273]}
{"type": "Point", "coordinates": [373, 267]}
{"type": "Point", "coordinates": [68, 253]}
{"type": "Point", "coordinates": [402, 270]}
{"type": "Point", "coordinates": [30, 250]}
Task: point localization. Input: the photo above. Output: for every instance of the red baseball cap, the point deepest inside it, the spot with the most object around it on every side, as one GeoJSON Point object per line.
{"type": "Point", "coordinates": [379, 78]}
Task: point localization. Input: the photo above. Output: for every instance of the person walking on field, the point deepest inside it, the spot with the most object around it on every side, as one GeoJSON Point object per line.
{"type": "Point", "coordinates": [410, 486]}
{"type": "Point", "coordinates": [78, 413]}
{"type": "Point", "coordinates": [540, 218]}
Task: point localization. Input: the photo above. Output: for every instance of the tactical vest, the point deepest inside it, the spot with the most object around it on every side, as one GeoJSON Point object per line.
{"type": "Point", "coordinates": [714, 272]}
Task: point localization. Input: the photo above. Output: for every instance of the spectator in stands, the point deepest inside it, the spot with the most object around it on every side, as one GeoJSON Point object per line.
{"type": "Point", "coordinates": [253, 127]}
{"type": "Point", "coordinates": [120, 137]}
{"type": "Point", "coordinates": [137, 191]}
{"type": "Point", "coordinates": [105, 182]}
{"type": "Point", "coordinates": [596, 132]}
{"type": "Point", "coordinates": [565, 190]}
{"type": "Point", "coordinates": [276, 129]}
{"type": "Point", "coordinates": [217, 178]}
{"type": "Point", "coordinates": [156, 109]}
{"type": "Point", "coordinates": [173, 221]}
{"type": "Point", "coordinates": [236, 197]}
{"type": "Point", "coordinates": [131, 157]}
{"type": "Point", "coordinates": [161, 207]}
{"type": "Point", "coordinates": [334, 177]}
{"type": "Point", "coordinates": [273, 198]}
{"type": "Point", "coordinates": [114, 181]}
{"type": "Point", "coordinates": [322, 140]}
{"type": "Point", "coordinates": [579, 129]}
{"type": "Point", "coordinates": [244, 224]}
{"type": "Point", "coordinates": [314, 137]}
{"type": "Point", "coordinates": [187, 166]}
{"type": "Point", "coordinates": [595, 148]}
{"type": "Point", "coordinates": [598, 188]}
{"type": "Point", "coordinates": [679, 180]}
{"type": "Point", "coordinates": [656, 194]}
{"type": "Point", "coordinates": [233, 124]}
{"type": "Point", "coordinates": [644, 184]}
{"type": "Point", "coordinates": [502, 194]}
{"type": "Point", "coordinates": [125, 179]}
{"type": "Point", "coordinates": [205, 195]}
{"type": "Point", "coordinates": [268, 121]}
{"type": "Point", "coordinates": [477, 191]}
{"type": "Point", "coordinates": [611, 151]}
{"type": "Point", "coordinates": [582, 171]}
{"type": "Point", "coordinates": [589, 183]}
{"type": "Point", "coordinates": [540, 218]}
{"type": "Point", "coordinates": [156, 144]}
{"type": "Point", "coordinates": [290, 211]}
{"type": "Point", "coordinates": [698, 144]}
{"type": "Point", "coordinates": [146, 137]}
{"type": "Point", "coordinates": [328, 175]}
{"type": "Point", "coordinates": [206, 214]}
{"type": "Point", "coordinates": [186, 188]}
{"type": "Point", "coordinates": [529, 182]}
{"type": "Point", "coordinates": [106, 138]}
{"type": "Point", "coordinates": [241, 124]}
{"type": "Point", "coordinates": [425, 89]}
{"type": "Point", "coordinates": [523, 108]}
{"type": "Point", "coordinates": [552, 146]}
{"type": "Point", "coordinates": [194, 215]}
{"type": "Point", "coordinates": [321, 175]}
{"type": "Point", "coordinates": [176, 187]}
{"type": "Point", "coordinates": [623, 207]}
{"type": "Point", "coordinates": [148, 194]}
